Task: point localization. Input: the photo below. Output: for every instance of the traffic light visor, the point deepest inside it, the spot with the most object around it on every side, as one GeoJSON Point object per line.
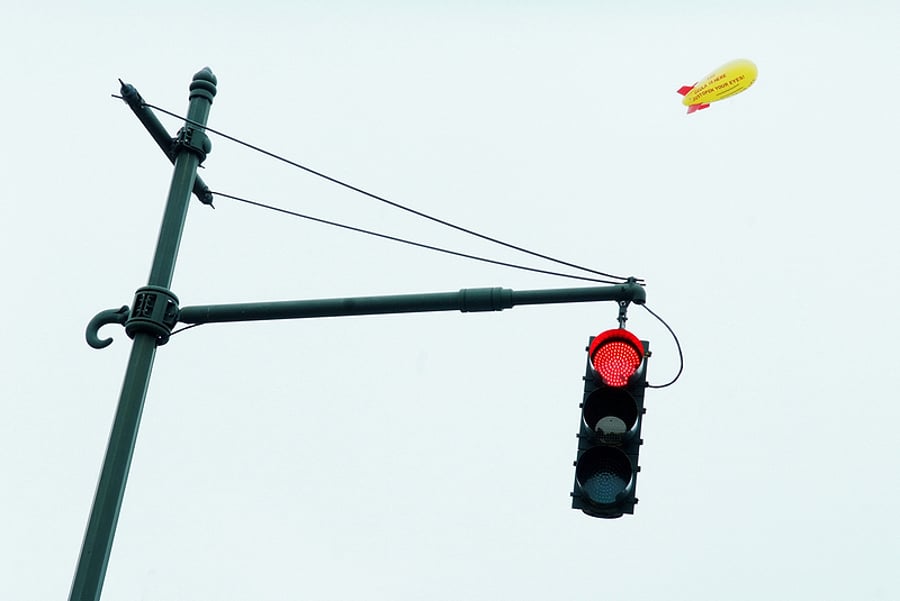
{"type": "Point", "coordinates": [615, 356]}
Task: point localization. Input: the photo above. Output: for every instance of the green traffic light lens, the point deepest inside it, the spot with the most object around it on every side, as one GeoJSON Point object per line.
{"type": "Point", "coordinates": [604, 473]}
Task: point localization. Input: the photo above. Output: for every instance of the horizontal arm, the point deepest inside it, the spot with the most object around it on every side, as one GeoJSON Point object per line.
{"type": "Point", "coordinates": [466, 300]}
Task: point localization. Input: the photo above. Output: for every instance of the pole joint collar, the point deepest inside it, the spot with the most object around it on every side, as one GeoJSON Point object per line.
{"type": "Point", "coordinates": [194, 140]}
{"type": "Point", "coordinates": [155, 312]}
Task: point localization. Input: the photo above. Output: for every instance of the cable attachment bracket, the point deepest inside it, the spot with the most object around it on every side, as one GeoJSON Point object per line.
{"type": "Point", "coordinates": [639, 299]}
{"type": "Point", "coordinates": [155, 311]}
{"type": "Point", "coordinates": [623, 312]}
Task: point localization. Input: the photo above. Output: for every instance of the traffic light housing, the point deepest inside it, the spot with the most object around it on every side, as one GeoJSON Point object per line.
{"type": "Point", "coordinates": [609, 438]}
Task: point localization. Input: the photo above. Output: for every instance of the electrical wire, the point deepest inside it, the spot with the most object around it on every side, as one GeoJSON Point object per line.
{"type": "Point", "coordinates": [677, 344]}
{"type": "Point", "coordinates": [180, 330]}
{"type": "Point", "coordinates": [405, 241]}
{"type": "Point", "coordinates": [390, 202]}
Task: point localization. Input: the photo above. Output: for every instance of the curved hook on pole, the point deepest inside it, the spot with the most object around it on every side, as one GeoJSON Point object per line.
{"type": "Point", "coordinates": [119, 316]}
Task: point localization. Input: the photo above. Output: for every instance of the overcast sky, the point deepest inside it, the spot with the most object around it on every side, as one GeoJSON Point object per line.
{"type": "Point", "coordinates": [430, 456]}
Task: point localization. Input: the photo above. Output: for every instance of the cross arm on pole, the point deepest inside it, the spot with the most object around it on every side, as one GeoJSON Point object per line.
{"type": "Point", "coordinates": [158, 132]}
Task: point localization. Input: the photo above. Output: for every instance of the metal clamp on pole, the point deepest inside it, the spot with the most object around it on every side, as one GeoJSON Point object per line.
{"type": "Point", "coordinates": [193, 140]}
{"type": "Point", "coordinates": [155, 311]}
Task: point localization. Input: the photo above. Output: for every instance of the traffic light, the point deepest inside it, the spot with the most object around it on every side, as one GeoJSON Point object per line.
{"type": "Point", "coordinates": [610, 435]}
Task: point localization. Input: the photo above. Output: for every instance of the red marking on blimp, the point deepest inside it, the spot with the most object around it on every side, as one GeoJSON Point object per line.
{"type": "Point", "coordinates": [729, 79]}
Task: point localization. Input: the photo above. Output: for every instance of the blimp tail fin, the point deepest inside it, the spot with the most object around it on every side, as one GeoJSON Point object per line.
{"type": "Point", "coordinates": [697, 107]}
{"type": "Point", "coordinates": [683, 90]}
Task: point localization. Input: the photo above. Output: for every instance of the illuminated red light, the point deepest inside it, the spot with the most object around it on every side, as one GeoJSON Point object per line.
{"type": "Point", "coordinates": [615, 356]}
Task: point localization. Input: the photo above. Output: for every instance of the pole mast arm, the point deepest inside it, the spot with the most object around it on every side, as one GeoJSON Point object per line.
{"type": "Point", "coordinates": [466, 300]}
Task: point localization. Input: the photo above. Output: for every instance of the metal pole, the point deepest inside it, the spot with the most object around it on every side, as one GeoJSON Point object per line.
{"type": "Point", "coordinates": [148, 331]}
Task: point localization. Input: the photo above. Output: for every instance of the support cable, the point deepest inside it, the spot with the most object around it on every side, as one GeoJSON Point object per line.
{"type": "Point", "coordinates": [409, 242]}
{"type": "Point", "coordinates": [395, 204]}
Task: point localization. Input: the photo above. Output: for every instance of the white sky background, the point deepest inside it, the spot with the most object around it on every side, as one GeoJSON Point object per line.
{"type": "Point", "coordinates": [430, 456]}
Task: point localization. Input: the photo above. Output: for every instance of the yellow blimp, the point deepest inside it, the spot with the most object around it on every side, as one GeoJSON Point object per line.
{"type": "Point", "coordinates": [729, 79]}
